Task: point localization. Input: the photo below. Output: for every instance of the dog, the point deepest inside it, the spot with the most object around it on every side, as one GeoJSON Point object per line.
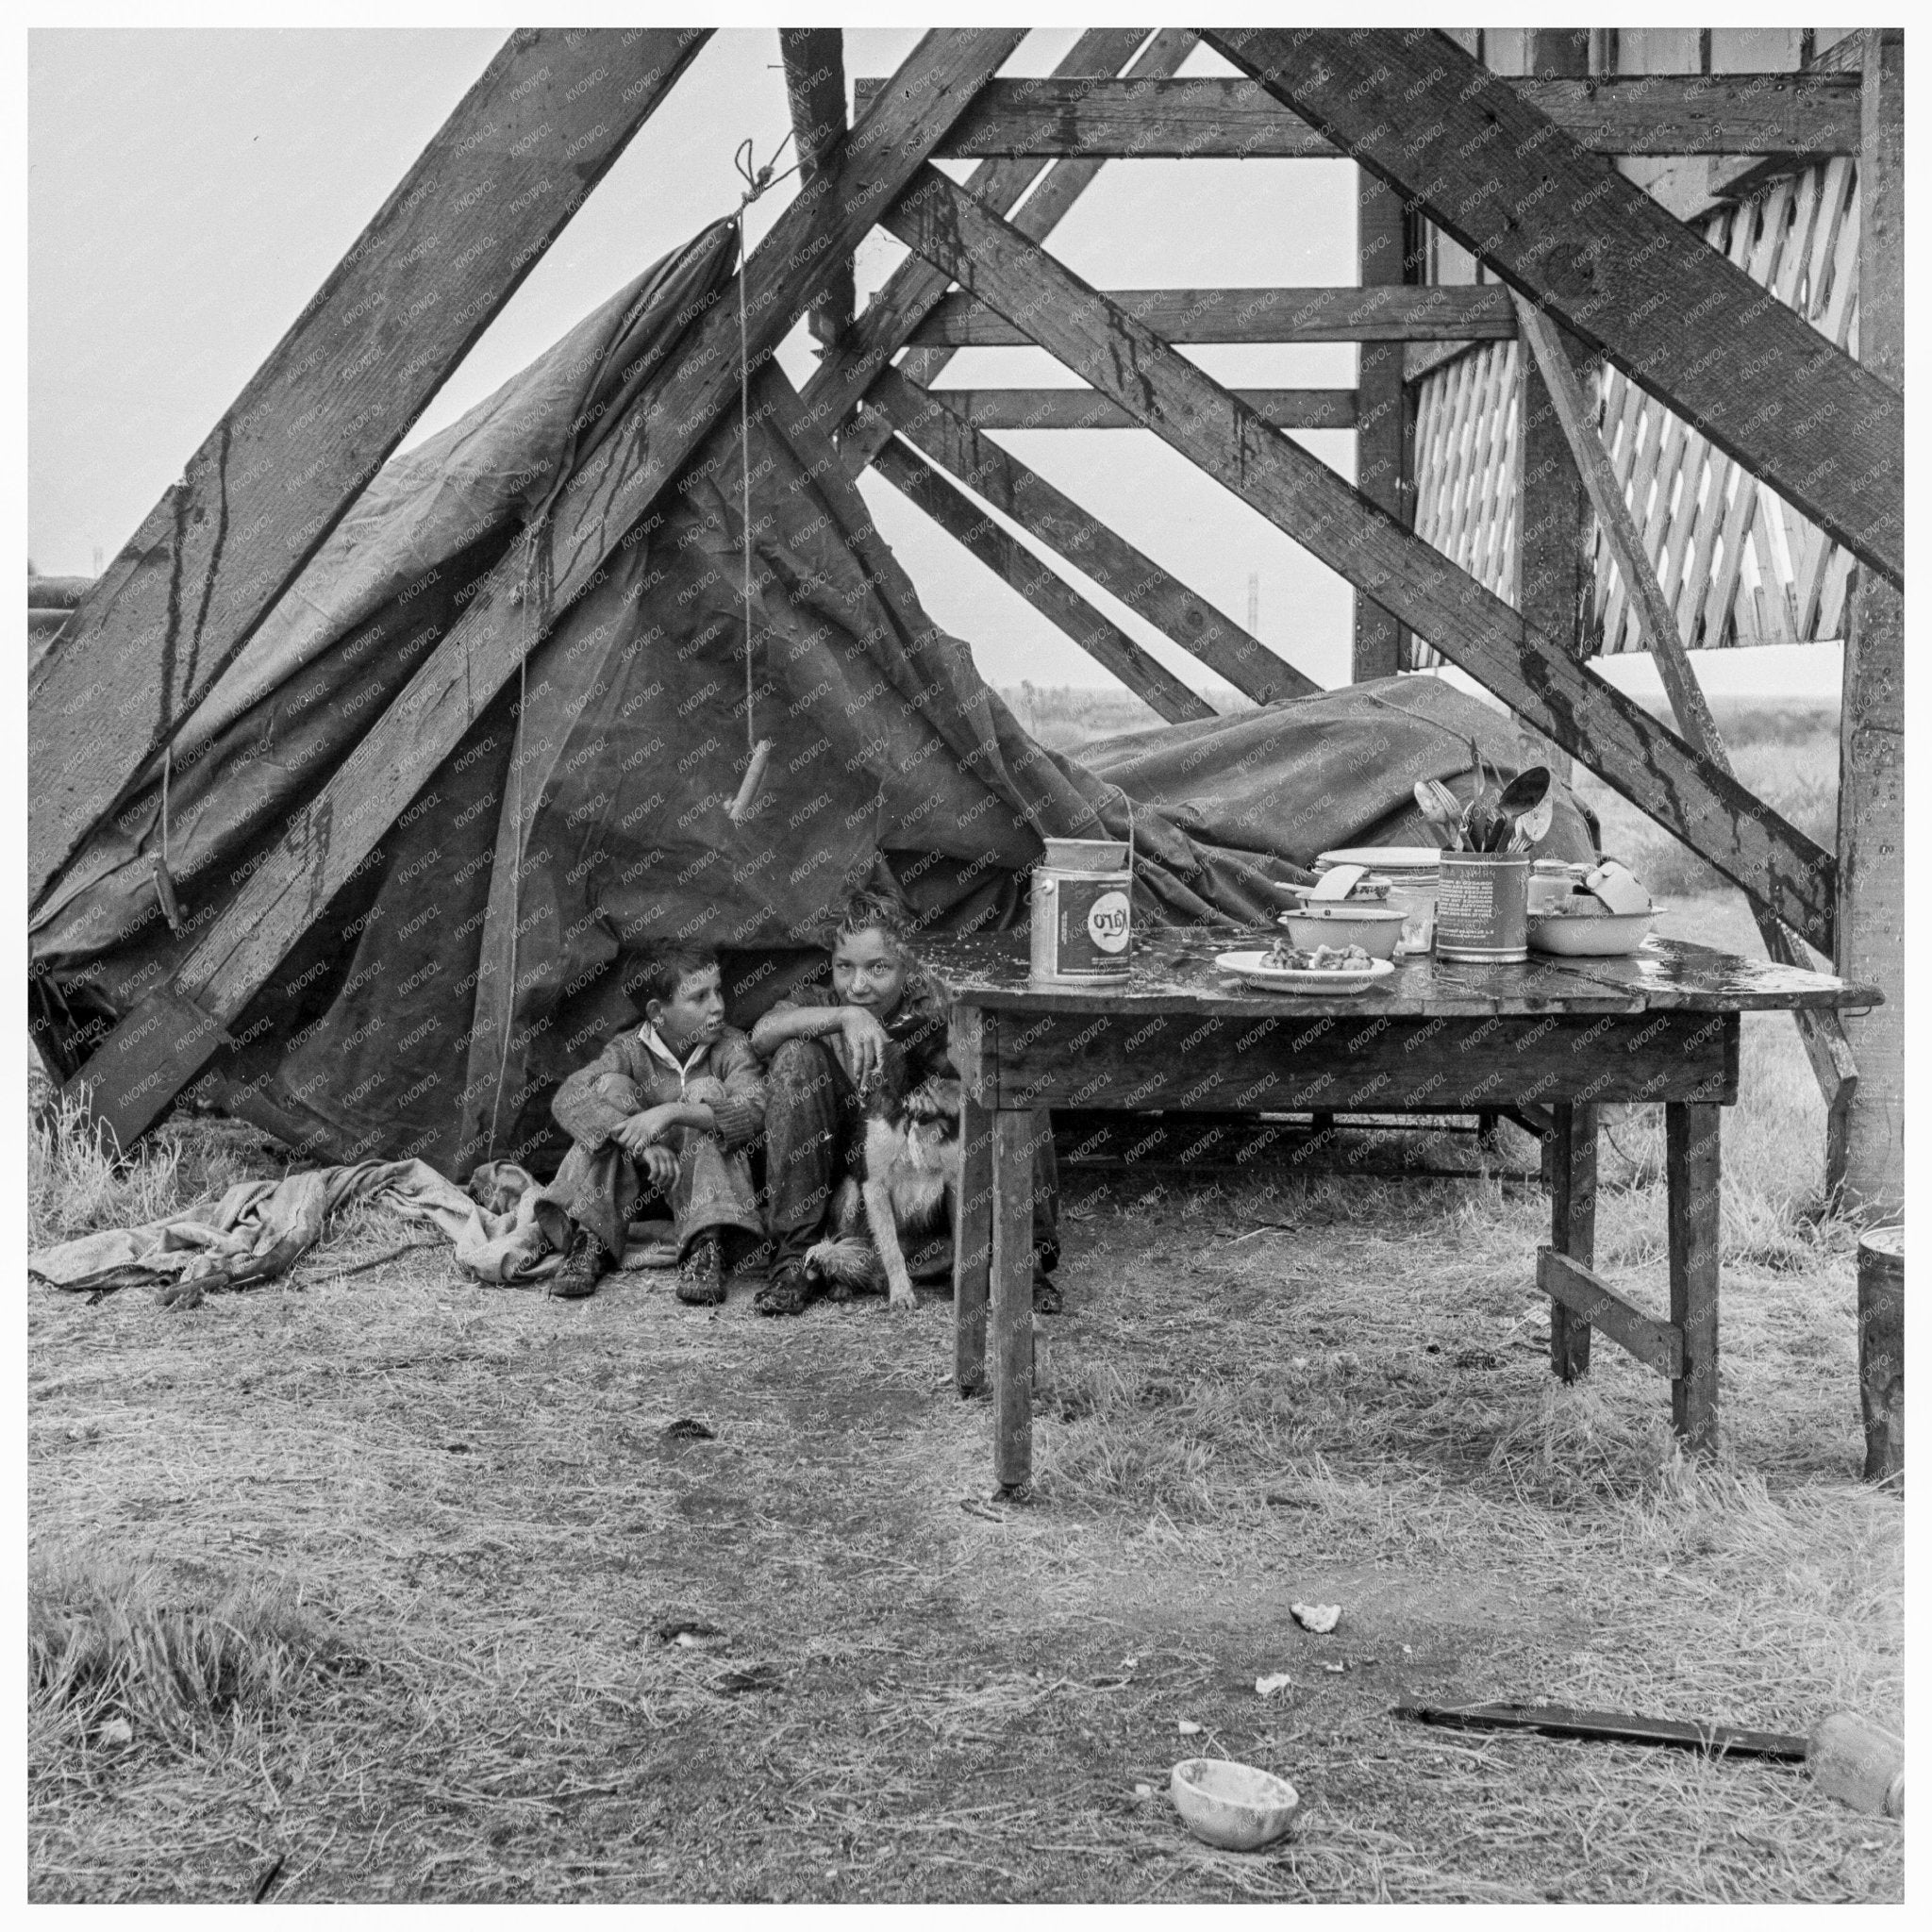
{"type": "Point", "coordinates": [902, 1178]}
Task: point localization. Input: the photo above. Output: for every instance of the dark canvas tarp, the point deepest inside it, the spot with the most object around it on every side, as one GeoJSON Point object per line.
{"type": "Point", "coordinates": [436, 1002]}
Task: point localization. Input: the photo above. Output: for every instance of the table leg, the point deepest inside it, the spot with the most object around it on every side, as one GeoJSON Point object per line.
{"type": "Point", "coordinates": [972, 1245]}
{"type": "Point", "coordinates": [1013, 1297]}
{"type": "Point", "coordinates": [1694, 1167]}
{"type": "Point", "coordinates": [1573, 1224]}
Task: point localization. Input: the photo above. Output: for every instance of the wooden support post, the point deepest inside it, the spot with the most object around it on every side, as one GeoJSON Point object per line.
{"type": "Point", "coordinates": [1012, 1296]}
{"type": "Point", "coordinates": [814, 59]}
{"type": "Point", "coordinates": [613, 489]}
{"type": "Point", "coordinates": [1752, 845]}
{"type": "Point", "coordinates": [1191, 623]}
{"type": "Point", "coordinates": [1048, 593]}
{"type": "Point", "coordinates": [1867, 1159]}
{"type": "Point", "coordinates": [1555, 574]}
{"type": "Point", "coordinates": [1382, 450]}
{"type": "Point", "coordinates": [1882, 1353]}
{"type": "Point", "coordinates": [1693, 1170]}
{"type": "Point", "coordinates": [1545, 351]}
{"type": "Point", "coordinates": [1562, 226]}
{"type": "Point", "coordinates": [508, 168]}
{"type": "Point", "coordinates": [1573, 1224]}
{"type": "Point", "coordinates": [973, 1231]}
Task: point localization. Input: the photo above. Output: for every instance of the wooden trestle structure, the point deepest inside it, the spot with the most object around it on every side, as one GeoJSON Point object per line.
{"type": "Point", "coordinates": [1596, 410]}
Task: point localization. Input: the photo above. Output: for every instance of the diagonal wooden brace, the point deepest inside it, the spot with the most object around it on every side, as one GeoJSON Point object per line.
{"type": "Point", "coordinates": [1561, 225]}
{"type": "Point", "coordinates": [1771, 859]}
{"type": "Point", "coordinates": [515, 159]}
{"type": "Point", "coordinates": [657, 436]}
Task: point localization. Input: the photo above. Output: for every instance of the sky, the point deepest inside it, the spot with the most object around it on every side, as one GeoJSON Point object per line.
{"type": "Point", "coordinates": [190, 190]}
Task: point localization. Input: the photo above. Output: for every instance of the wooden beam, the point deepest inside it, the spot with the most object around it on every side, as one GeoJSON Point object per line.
{"type": "Point", "coordinates": [1562, 226]}
{"type": "Point", "coordinates": [1693, 1177]}
{"type": "Point", "coordinates": [1822, 1032]}
{"type": "Point", "coordinates": [1556, 568]}
{"type": "Point", "coordinates": [1194, 624]}
{"type": "Point", "coordinates": [1262, 315]}
{"type": "Point", "coordinates": [814, 60]}
{"type": "Point", "coordinates": [1642, 114]}
{"type": "Point", "coordinates": [914, 286]}
{"type": "Point", "coordinates": [1867, 1163]}
{"type": "Point", "coordinates": [1614, 736]}
{"type": "Point", "coordinates": [615, 487]}
{"type": "Point", "coordinates": [1048, 593]}
{"type": "Point", "coordinates": [1080, 408]}
{"type": "Point", "coordinates": [1587, 1295]}
{"type": "Point", "coordinates": [1571, 1170]}
{"type": "Point", "coordinates": [170, 614]}
{"type": "Point", "coordinates": [1383, 259]}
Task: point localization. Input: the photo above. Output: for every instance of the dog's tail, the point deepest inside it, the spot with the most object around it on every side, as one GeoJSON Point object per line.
{"type": "Point", "coordinates": [847, 1262]}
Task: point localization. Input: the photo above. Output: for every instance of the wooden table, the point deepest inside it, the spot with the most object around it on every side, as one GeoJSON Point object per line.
{"type": "Point", "coordinates": [1179, 1036]}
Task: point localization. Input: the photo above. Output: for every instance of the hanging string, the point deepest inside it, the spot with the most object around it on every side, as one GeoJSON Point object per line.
{"type": "Point", "coordinates": [757, 751]}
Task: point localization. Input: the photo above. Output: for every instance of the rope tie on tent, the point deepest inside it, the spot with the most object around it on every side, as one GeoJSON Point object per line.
{"type": "Point", "coordinates": [759, 750]}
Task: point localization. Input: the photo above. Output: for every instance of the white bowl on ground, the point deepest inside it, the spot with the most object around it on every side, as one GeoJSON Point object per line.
{"type": "Point", "coordinates": [1232, 1806]}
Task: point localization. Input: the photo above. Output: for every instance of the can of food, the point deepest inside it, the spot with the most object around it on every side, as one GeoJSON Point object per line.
{"type": "Point", "coordinates": [1083, 913]}
{"type": "Point", "coordinates": [1482, 905]}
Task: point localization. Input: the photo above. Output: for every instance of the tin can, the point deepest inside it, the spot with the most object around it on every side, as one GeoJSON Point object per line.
{"type": "Point", "coordinates": [1481, 907]}
{"type": "Point", "coordinates": [1083, 918]}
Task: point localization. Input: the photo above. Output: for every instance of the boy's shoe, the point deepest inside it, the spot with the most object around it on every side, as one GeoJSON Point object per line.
{"type": "Point", "coordinates": [585, 1264]}
{"type": "Point", "coordinates": [790, 1292]}
{"type": "Point", "coordinates": [1046, 1295]}
{"type": "Point", "coordinates": [701, 1274]}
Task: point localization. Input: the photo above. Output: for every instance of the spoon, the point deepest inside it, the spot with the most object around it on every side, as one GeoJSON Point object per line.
{"type": "Point", "coordinates": [1524, 794]}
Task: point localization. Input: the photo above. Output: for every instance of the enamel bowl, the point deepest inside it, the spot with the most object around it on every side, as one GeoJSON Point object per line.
{"type": "Point", "coordinates": [1346, 923]}
{"type": "Point", "coordinates": [1232, 1806]}
{"type": "Point", "coordinates": [1580, 936]}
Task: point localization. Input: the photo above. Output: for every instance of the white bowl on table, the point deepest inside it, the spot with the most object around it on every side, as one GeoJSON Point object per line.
{"type": "Point", "coordinates": [1590, 936]}
{"type": "Point", "coordinates": [1365, 922]}
{"type": "Point", "coordinates": [1233, 1806]}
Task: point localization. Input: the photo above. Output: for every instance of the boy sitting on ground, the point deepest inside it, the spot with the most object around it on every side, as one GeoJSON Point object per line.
{"type": "Point", "coordinates": [879, 1021]}
{"type": "Point", "coordinates": [669, 1110]}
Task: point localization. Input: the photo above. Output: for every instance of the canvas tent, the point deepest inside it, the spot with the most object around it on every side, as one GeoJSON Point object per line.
{"type": "Point", "coordinates": [435, 1000]}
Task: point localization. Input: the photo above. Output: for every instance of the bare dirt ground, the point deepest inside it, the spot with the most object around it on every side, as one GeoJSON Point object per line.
{"type": "Point", "coordinates": [900, 1689]}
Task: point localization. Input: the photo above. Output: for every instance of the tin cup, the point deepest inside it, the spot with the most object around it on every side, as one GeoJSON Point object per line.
{"type": "Point", "coordinates": [1481, 907]}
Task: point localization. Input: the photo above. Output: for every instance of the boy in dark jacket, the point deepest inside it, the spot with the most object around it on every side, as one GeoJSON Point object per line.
{"type": "Point", "coordinates": [670, 1109]}
{"type": "Point", "coordinates": [880, 1021]}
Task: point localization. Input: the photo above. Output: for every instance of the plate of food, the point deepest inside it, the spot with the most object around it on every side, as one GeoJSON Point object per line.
{"type": "Point", "coordinates": [1321, 970]}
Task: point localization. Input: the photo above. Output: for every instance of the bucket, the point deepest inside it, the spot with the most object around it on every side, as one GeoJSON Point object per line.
{"type": "Point", "coordinates": [1481, 907]}
{"type": "Point", "coordinates": [1083, 912]}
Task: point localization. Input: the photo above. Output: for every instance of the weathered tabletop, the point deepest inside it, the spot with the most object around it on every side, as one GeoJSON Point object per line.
{"type": "Point", "coordinates": [1174, 971]}
{"type": "Point", "coordinates": [1177, 1034]}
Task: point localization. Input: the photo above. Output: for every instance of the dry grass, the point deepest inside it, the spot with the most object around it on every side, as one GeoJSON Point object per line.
{"type": "Point", "coordinates": [912, 1694]}
{"type": "Point", "coordinates": [377, 1568]}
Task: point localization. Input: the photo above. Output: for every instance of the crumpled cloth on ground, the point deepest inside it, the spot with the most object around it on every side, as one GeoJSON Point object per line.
{"type": "Point", "coordinates": [260, 1229]}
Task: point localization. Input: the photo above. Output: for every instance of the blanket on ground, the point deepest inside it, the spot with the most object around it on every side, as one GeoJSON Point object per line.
{"type": "Point", "coordinates": [260, 1228]}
